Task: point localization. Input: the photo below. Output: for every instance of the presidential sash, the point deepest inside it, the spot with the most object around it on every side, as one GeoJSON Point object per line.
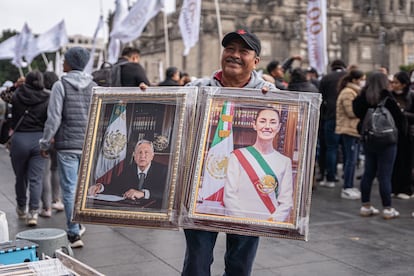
{"type": "Point", "coordinates": [264, 186]}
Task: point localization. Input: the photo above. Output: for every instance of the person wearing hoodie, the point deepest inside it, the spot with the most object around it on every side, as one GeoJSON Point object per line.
{"type": "Point", "coordinates": [29, 114]}
{"type": "Point", "coordinates": [239, 59]}
{"type": "Point", "coordinates": [67, 118]}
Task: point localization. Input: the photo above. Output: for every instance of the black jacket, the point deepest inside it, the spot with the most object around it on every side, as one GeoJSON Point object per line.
{"type": "Point", "coordinates": [360, 107]}
{"type": "Point", "coordinates": [132, 74]}
{"type": "Point", "coordinates": [35, 102]}
{"type": "Point", "coordinates": [328, 87]}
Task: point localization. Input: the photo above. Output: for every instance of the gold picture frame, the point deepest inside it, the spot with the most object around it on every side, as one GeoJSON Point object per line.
{"type": "Point", "coordinates": [235, 189]}
{"type": "Point", "coordinates": [121, 120]}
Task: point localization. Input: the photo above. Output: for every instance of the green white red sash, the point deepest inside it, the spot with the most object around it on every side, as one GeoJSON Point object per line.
{"type": "Point", "coordinates": [254, 178]}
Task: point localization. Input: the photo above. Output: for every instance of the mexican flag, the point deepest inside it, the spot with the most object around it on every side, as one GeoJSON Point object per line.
{"type": "Point", "coordinates": [114, 146]}
{"type": "Point", "coordinates": [215, 169]}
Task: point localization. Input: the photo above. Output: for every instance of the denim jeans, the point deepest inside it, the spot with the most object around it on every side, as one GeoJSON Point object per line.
{"type": "Point", "coordinates": [332, 143]}
{"type": "Point", "coordinates": [28, 166]}
{"type": "Point", "coordinates": [238, 259]}
{"type": "Point", "coordinates": [350, 146]}
{"type": "Point", "coordinates": [68, 167]}
{"type": "Point", "coordinates": [378, 163]}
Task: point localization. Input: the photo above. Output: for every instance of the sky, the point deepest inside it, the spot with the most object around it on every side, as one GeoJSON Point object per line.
{"type": "Point", "coordinates": [81, 16]}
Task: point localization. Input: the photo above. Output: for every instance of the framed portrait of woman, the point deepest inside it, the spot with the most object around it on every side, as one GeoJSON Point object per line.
{"type": "Point", "coordinates": [253, 162]}
{"type": "Point", "coordinates": [130, 172]}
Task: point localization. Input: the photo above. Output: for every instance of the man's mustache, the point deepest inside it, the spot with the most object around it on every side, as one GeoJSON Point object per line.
{"type": "Point", "coordinates": [234, 60]}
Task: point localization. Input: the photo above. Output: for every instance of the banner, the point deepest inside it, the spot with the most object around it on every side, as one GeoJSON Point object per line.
{"type": "Point", "coordinates": [214, 175]}
{"type": "Point", "coordinates": [50, 41]}
{"type": "Point", "coordinates": [189, 23]}
{"type": "Point", "coordinates": [7, 48]}
{"type": "Point", "coordinates": [22, 44]}
{"type": "Point", "coordinates": [89, 67]}
{"type": "Point", "coordinates": [316, 32]}
{"type": "Point", "coordinates": [134, 23]}
{"type": "Point", "coordinates": [114, 148]}
{"type": "Point", "coordinates": [121, 11]}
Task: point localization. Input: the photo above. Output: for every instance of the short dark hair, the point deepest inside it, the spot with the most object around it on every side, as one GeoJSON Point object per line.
{"type": "Point", "coordinates": [272, 65]}
{"type": "Point", "coordinates": [170, 71]}
{"type": "Point", "coordinates": [338, 64]}
{"type": "Point", "coordinates": [129, 51]}
{"type": "Point", "coordinates": [270, 109]}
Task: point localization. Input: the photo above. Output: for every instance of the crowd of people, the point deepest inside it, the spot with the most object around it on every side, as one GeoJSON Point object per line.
{"type": "Point", "coordinates": [49, 120]}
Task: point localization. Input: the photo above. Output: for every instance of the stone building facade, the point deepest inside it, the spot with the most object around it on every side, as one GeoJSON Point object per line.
{"type": "Point", "coordinates": [367, 33]}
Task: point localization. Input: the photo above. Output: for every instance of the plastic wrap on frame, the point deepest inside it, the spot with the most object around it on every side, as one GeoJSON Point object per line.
{"type": "Point", "coordinates": [180, 104]}
{"type": "Point", "coordinates": [305, 106]}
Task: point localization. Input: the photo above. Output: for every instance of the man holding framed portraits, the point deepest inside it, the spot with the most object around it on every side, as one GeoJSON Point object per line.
{"type": "Point", "coordinates": [259, 178]}
{"type": "Point", "coordinates": [239, 59]}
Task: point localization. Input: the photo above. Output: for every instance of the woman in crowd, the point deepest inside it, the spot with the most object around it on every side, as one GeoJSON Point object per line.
{"type": "Point", "coordinates": [378, 162]}
{"type": "Point", "coordinates": [346, 126]}
{"type": "Point", "coordinates": [29, 114]}
{"type": "Point", "coordinates": [401, 176]}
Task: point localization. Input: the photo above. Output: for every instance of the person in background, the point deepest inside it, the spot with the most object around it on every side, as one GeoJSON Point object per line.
{"type": "Point", "coordinates": [313, 76]}
{"type": "Point", "coordinates": [30, 102]}
{"type": "Point", "coordinates": [239, 59]}
{"type": "Point", "coordinates": [67, 119]}
{"type": "Point", "coordinates": [51, 190]}
{"type": "Point", "coordinates": [401, 175]}
{"type": "Point", "coordinates": [172, 77]}
{"type": "Point", "coordinates": [346, 127]}
{"type": "Point", "coordinates": [184, 78]}
{"type": "Point", "coordinates": [127, 71]}
{"type": "Point", "coordinates": [299, 82]}
{"type": "Point", "coordinates": [379, 163]}
{"type": "Point", "coordinates": [277, 71]}
{"type": "Point", "coordinates": [328, 87]}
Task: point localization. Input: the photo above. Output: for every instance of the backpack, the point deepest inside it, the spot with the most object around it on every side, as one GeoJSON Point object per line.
{"type": "Point", "coordinates": [109, 75]}
{"type": "Point", "coordinates": [378, 127]}
{"type": "Point", "coordinates": [103, 76]}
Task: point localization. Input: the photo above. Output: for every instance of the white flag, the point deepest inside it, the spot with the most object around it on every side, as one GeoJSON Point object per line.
{"type": "Point", "coordinates": [189, 23]}
{"type": "Point", "coordinates": [136, 20]}
{"type": "Point", "coordinates": [316, 32]}
{"type": "Point", "coordinates": [7, 48]}
{"type": "Point", "coordinates": [168, 6]}
{"type": "Point", "coordinates": [50, 41]}
{"type": "Point", "coordinates": [114, 144]}
{"type": "Point", "coordinates": [121, 11]}
{"type": "Point", "coordinates": [215, 170]}
{"type": "Point", "coordinates": [58, 64]}
{"type": "Point", "coordinates": [89, 67]}
{"type": "Point", "coordinates": [22, 43]}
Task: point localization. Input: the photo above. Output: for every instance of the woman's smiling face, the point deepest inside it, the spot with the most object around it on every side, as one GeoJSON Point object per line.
{"type": "Point", "coordinates": [267, 124]}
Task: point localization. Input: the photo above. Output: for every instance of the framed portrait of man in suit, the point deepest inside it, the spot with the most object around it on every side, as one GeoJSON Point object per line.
{"type": "Point", "coordinates": [130, 172]}
{"type": "Point", "coordinates": [255, 157]}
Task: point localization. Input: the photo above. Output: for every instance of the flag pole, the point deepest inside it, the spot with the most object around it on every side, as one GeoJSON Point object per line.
{"type": "Point", "coordinates": [219, 26]}
{"type": "Point", "coordinates": [45, 59]}
{"type": "Point", "coordinates": [167, 43]}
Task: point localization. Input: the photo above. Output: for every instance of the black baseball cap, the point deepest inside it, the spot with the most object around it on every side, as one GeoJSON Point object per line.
{"type": "Point", "coordinates": [251, 39]}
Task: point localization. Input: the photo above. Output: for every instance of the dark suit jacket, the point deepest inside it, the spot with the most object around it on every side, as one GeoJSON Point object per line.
{"type": "Point", "coordinates": [155, 182]}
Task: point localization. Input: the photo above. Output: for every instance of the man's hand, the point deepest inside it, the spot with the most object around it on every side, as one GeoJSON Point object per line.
{"type": "Point", "coordinates": [95, 189]}
{"type": "Point", "coordinates": [265, 89]}
{"type": "Point", "coordinates": [143, 86]}
{"type": "Point", "coordinates": [44, 153]}
{"type": "Point", "coordinates": [133, 194]}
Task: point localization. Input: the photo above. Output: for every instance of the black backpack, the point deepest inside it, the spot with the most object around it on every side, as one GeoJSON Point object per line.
{"type": "Point", "coordinates": [103, 76]}
{"type": "Point", "coordinates": [378, 127]}
{"type": "Point", "coordinates": [109, 75]}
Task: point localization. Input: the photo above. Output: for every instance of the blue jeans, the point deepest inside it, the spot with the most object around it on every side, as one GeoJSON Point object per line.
{"type": "Point", "coordinates": [68, 167]}
{"type": "Point", "coordinates": [350, 147]}
{"type": "Point", "coordinates": [378, 164]}
{"type": "Point", "coordinates": [238, 259]}
{"type": "Point", "coordinates": [28, 166]}
{"type": "Point", "coordinates": [332, 143]}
